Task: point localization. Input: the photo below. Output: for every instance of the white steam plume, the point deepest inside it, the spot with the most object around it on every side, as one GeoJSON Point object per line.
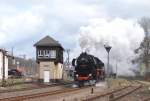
{"type": "Point", "coordinates": [123, 35]}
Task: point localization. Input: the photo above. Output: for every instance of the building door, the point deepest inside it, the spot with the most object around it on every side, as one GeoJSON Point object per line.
{"type": "Point", "coordinates": [46, 76]}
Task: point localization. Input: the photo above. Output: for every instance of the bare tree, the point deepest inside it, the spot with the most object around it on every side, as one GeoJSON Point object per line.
{"type": "Point", "coordinates": [145, 45]}
{"type": "Point", "coordinates": [145, 23]}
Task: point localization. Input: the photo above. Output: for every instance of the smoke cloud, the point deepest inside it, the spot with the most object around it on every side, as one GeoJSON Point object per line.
{"type": "Point", "coordinates": [124, 36]}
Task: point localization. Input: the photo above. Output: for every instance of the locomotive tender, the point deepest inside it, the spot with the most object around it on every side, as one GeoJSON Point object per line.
{"type": "Point", "coordinates": [88, 68]}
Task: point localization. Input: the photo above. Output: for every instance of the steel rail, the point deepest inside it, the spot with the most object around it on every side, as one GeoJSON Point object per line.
{"type": "Point", "coordinates": [126, 94]}
{"type": "Point", "coordinates": [44, 94]}
{"type": "Point", "coordinates": [105, 94]}
{"type": "Point", "coordinates": [35, 88]}
{"type": "Point", "coordinates": [146, 99]}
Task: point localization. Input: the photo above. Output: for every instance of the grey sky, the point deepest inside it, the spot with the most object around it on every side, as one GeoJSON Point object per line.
{"type": "Point", "coordinates": [23, 22]}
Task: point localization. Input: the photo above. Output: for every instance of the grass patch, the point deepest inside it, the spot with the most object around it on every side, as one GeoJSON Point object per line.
{"type": "Point", "coordinates": [13, 81]}
{"type": "Point", "coordinates": [118, 82]}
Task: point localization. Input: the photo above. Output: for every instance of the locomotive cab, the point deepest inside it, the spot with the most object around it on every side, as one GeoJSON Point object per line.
{"type": "Point", "coordinates": [100, 73]}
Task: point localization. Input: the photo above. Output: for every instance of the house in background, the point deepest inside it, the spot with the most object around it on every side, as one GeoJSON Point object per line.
{"type": "Point", "coordinates": [26, 66]}
{"type": "Point", "coordinates": [49, 56]}
{"type": "Point", "coordinates": [3, 64]}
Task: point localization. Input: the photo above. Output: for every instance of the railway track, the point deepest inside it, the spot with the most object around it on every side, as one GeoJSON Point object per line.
{"type": "Point", "coordinates": [125, 93]}
{"type": "Point", "coordinates": [115, 94]}
{"type": "Point", "coordinates": [24, 89]}
{"type": "Point", "coordinates": [33, 88]}
{"type": "Point", "coordinates": [146, 99]}
{"type": "Point", "coordinates": [147, 84]}
{"type": "Point", "coordinates": [44, 94]}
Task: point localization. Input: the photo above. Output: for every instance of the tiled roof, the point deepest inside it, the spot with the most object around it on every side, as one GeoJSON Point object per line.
{"type": "Point", "coordinates": [47, 41]}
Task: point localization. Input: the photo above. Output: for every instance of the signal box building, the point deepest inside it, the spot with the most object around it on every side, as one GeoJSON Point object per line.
{"type": "Point", "coordinates": [49, 56]}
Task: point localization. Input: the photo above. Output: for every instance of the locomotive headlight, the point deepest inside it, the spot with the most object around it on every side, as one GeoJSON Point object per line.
{"type": "Point", "coordinates": [77, 75]}
{"type": "Point", "coordinates": [90, 74]}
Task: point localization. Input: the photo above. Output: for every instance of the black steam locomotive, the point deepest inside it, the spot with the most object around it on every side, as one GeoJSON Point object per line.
{"type": "Point", "coordinates": [88, 68]}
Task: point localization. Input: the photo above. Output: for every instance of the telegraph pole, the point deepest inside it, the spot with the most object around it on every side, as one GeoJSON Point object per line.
{"type": "Point", "coordinates": [116, 68]}
{"type": "Point", "coordinates": [12, 51]}
{"type": "Point", "coordinates": [68, 58]}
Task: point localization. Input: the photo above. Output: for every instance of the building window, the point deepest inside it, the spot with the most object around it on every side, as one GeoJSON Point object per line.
{"type": "Point", "coordinates": [52, 53]}
{"type": "Point", "coordinates": [47, 54]}
{"type": "Point", "coordinates": [40, 53]}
